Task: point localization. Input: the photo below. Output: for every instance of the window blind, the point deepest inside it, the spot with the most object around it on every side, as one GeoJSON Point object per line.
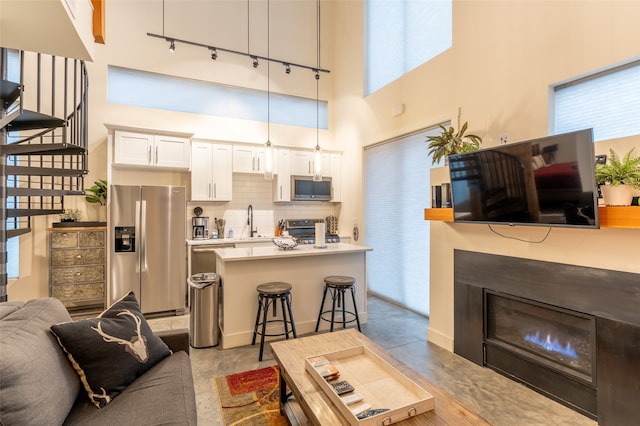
{"type": "Point", "coordinates": [397, 190]}
{"type": "Point", "coordinates": [608, 102]}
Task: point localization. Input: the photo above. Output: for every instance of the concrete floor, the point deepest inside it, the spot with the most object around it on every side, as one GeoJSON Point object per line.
{"type": "Point", "coordinates": [499, 400]}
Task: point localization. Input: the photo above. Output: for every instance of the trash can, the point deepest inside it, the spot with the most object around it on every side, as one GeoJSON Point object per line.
{"type": "Point", "coordinates": [203, 321]}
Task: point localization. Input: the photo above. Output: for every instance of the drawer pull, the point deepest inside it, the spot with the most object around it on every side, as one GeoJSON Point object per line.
{"type": "Point", "coordinates": [412, 411]}
{"type": "Point", "coordinates": [386, 421]}
{"type": "Point", "coordinates": [79, 256]}
{"type": "Point", "coordinates": [78, 274]}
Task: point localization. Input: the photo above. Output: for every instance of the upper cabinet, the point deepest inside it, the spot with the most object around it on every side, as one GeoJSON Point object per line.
{"type": "Point", "coordinates": [335, 171]}
{"type": "Point", "coordinates": [149, 150]}
{"type": "Point", "coordinates": [282, 176]}
{"type": "Point", "coordinates": [302, 163]}
{"type": "Point", "coordinates": [211, 173]}
{"type": "Point", "coordinates": [248, 159]}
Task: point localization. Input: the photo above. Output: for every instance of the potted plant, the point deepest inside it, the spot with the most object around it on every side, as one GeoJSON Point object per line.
{"type": "Point", "coordinates": [70, 215]}
{"type": "Point", "coordinates": [451, 142]}
{"type": "Point", "coordinates": [97, 194]}
{"type": "Point", "coordinates": [618, 178]}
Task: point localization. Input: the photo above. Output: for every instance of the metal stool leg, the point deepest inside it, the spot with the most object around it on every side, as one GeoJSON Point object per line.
{"type": "Point", "coordinates": [264, 327]}
{"type": "Point", "coordinates": [293, 324]}
{"type": "Point", "coordinates": [355, 308]}
{"type": "Point", "coordinates": [255, 327]}
{"type": "Point", "coordinates": [284, 316]}
{"type": "Point", "coordinates": [344, 309]}
{"type": "Point", "coordinates": [324, 296]}
{"type": "Point", "coordinates": [334, 296]}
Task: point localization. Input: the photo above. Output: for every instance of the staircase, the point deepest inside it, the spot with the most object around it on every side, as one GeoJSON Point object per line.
{"type": "Point", "coordinates": [43, 140]}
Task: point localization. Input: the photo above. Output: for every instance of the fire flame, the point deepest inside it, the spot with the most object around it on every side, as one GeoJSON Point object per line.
{"type": "Point", "coordinates": [551, 345]}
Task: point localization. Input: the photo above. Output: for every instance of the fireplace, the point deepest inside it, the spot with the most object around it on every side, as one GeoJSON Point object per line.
{"type": "Point", "coordinates": [565, 331]}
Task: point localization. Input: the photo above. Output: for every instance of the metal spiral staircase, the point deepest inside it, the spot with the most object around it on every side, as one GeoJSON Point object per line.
{"type": "Point", "coordinates": [43, 140]}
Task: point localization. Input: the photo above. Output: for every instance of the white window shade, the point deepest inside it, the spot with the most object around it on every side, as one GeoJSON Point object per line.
{"type": "Point", "coordinates": [608, 102]}
{"type": "Point", "coordinates": [397, 190]}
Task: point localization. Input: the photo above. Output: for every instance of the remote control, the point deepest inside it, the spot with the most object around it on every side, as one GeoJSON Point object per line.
{"type": "Point", "coordinates": [350, 399]}
{"type": "Point", "coordinates": [342, 387]}
{"type": "Point", "coordinates": [369, 413]}
{"type": "Point", "coordinates": [358, 409]}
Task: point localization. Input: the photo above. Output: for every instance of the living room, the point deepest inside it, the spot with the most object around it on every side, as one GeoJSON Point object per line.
{"type": "Point", "coordinates": [504, 58]}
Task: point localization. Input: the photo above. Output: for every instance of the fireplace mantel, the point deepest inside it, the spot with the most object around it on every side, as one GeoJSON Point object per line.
{"type": "Point", "coordinates": [610, 217]}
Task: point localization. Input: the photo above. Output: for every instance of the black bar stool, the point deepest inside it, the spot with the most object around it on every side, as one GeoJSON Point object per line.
{"type": "Point", "coordinates": [337, 285]}
{"type": "Point", "coordinates": [268, 294]}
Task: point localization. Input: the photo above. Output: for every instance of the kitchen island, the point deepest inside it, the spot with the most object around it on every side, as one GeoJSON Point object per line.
{"type": "Point", "coordinates": [242, 269]}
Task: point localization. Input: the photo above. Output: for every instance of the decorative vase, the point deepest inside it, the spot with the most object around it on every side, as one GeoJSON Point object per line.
{"type": "Point", "coordinates": [617, 195]}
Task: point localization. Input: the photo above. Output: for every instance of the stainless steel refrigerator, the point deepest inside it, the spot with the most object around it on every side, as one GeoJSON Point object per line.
{"type": "Point", "coordinates": [148, 253]}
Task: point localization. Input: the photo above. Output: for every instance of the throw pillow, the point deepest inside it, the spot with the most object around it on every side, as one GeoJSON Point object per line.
{"type": "Point", "coordinates": [109, 352]}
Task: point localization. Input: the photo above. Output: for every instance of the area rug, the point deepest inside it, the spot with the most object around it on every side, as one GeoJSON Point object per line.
{"type": "Point", "coordinates": [251, 398]}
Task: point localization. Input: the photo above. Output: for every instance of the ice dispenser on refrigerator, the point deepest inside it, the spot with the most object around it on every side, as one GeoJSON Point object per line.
{"type": "Point", "coordinates": [125, 239]}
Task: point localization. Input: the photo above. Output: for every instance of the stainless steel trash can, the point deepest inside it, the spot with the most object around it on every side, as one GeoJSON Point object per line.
{"type": "Point", "coordinates": [203, 321]}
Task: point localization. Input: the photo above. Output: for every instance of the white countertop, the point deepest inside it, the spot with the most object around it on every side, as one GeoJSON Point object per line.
{"type": "Point", "coordinates": [217, 241]}
{"type": "Point", "coordinates": [255, 253]}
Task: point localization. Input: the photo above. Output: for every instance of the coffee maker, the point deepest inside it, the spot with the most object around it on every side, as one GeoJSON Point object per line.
{"type": "Point", "coordinates": [199, 225]}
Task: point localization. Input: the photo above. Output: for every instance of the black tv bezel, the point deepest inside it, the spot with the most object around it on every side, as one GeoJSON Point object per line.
{"type": "Point", "coordinates": [586, 134]}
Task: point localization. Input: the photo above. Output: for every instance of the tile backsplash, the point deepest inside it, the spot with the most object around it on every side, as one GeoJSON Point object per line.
{"type": "Point", "coordinates": [254, 190]}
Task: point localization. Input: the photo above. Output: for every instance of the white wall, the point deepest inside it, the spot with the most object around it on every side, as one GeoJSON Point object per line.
{"type": "Point", "coordinates": [505, 55]}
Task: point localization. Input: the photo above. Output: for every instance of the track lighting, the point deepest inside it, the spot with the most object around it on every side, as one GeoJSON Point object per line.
{"type": "Point", "coordinates": [317, 75]}
{"type": "Point", "coordinates": [172, 46]}
{"type": "Point", "coordinates": [287, 68]}
{"type": "Point", "coordinates": [214, 54]}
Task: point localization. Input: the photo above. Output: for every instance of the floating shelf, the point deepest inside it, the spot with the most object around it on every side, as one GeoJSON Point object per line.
{"type": "Point", "coordinates": [610, 217]}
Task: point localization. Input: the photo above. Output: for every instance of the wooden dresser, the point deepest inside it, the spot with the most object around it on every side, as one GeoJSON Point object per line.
{"type": "Point", "coordinates": [77, 267]}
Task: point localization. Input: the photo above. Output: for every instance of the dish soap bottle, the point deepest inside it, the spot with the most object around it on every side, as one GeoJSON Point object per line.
{"type": "Point", "coordinates": [230, 235]}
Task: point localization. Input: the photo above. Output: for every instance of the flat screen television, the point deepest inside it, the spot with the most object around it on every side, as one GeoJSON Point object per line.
{"type": "Point", "coordinates": [548, 181]}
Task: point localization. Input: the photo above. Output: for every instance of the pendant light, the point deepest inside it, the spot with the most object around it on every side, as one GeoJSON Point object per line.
{"type": "Point", "coordinates": [268, 147]}
{"type": "Point", "coordinates": [317, 154]}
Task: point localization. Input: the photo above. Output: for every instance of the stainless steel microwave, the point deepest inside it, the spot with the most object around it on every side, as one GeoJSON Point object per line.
{"type": "Point", "coordinates": [304, 188]}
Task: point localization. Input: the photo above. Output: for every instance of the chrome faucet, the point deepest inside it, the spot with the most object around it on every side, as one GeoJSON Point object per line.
{"type": "Point", "coordinates": [250, 221]}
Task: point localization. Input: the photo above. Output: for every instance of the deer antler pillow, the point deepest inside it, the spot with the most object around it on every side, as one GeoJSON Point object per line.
{"type": "Point", "coordinates": [110, 351]}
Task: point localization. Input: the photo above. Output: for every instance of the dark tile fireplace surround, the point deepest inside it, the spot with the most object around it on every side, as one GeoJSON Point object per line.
{"type": "Point", "coordinates": [570, 332]}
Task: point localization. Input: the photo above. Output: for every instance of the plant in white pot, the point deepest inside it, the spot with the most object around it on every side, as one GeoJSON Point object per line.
{"type": "Point", "coordinates": [451, 142]}
{"type": "Point", "coordinates": [618, 178]}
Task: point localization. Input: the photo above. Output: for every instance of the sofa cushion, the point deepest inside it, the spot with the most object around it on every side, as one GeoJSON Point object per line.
{"type": "Point", "coordinates": [38, 385]}
{"type": "Point", "coordinates": [109, 352]}
{"type": "Point", "coordinates": [164, 395]}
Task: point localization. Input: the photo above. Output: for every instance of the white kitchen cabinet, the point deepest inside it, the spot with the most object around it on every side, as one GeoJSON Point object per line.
{"type": "Point", "coordinates": [282, 176]}
{"type": "Point", "coordinates": [149, 150]}
{"type": "Point", "coordinates": [301, 163]}
{"type": "Point", "coordinates": [335, 161]}
{"type": "Point", "coordinates": [248, 159]}
{"type": "Point", "coordinates": [211, 171]}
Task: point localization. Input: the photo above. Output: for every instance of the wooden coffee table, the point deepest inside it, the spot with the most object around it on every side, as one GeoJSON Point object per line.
{"type": "Point", "coordinates": [316, 405]}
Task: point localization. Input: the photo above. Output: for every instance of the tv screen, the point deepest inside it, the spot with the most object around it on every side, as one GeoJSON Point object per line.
{"type": "Point", "coordinates": [548, 181]}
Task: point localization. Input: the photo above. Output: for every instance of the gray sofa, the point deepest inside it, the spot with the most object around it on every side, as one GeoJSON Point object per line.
{"type": "Point", "coordinates": [38, 385]}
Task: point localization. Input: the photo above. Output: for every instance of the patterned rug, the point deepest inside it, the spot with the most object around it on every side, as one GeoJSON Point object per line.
{"type": "Point", "coordinates": [251, 398]}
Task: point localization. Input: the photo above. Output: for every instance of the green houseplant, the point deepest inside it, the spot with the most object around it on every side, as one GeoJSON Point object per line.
{"type": "Point", "coordinates": [98, 193]}
{"type": "Point", "coordinates": [451, 142]}
{"type": "Point", "coordinates": [618, 178]}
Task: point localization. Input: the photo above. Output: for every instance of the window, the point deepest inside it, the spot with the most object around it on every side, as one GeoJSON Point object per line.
{"type": "Point", "coordinates": [608, 102]}
{"type": "Point", "coordinates": [145, 89]}
{"type": "Point", "coordinates": [397, 189]}
{"type": "Point", "coordinates": [400, 35]}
